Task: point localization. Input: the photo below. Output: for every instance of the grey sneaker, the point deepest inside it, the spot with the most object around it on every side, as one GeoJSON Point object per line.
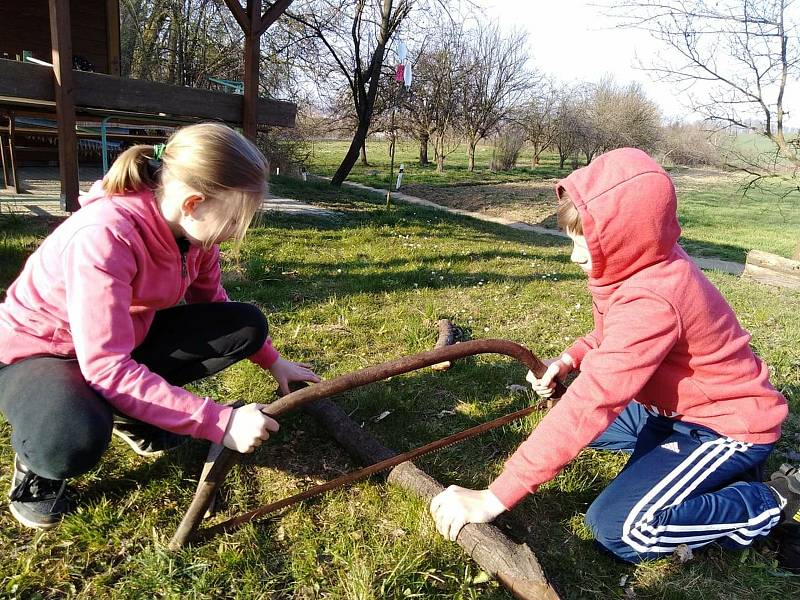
{"type": "Point", "coordinates": [37, 502]}
{"type": "Point", "coordinates": [145, 439]}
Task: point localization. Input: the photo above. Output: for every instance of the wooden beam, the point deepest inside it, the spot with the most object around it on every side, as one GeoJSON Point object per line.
{"type": "Point", "coordinates": [772, 269]}
{"type": "Point", "coordinates": [271, 15]}
{"type": "Point", "coordinates": [239, 15]}
{"type": "Point", "coordinates": [252, 59]}
{"type": "Point", "coordinates": [61, 40]}
{"type": "Point", "coordinates": [22, 83]}
{"type": "Point", "coordinates": [112, 36]}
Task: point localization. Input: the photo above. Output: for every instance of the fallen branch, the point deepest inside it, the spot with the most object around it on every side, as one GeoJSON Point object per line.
{"type": "Point", "coordinates": [447, 337]}
{"type": "Point", "coordinates": [514, 565]}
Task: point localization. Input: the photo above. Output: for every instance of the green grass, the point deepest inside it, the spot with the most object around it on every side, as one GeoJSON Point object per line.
{"type": "Point", "coordinates": [326, 156]}
{"type": "Point", "coordinates": [345, 293]}
{"type": "Point", "coordinates": [717, 219]}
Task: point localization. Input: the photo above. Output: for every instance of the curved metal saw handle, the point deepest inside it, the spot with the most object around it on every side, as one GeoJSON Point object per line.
{"type": "Point", "coordinates": [406, 364]}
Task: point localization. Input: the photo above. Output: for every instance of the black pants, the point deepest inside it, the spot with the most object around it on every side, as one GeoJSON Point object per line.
{"type": "Point", "coordinates": [61, 427]}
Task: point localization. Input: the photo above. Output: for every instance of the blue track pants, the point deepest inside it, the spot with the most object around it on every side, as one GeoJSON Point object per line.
{"type": "Point", "coordinates": [683, 484]}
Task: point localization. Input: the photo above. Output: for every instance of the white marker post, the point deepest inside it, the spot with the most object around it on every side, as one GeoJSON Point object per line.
{"type": "Point", "coordinates": [400, 176]}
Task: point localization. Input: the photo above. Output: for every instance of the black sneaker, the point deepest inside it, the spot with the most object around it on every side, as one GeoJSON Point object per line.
{"type": "Point", "coordinates": [785, 485]}
{"type": "Point", "coordinates": [35, 501]}
{"type": "Point", "coordinates": [786, 540]}
{"type": "Point", "coordinates": [144, 439]}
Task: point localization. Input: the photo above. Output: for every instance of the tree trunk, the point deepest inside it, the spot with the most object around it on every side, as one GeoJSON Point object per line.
{"type": "Point", "coordinates": [352, 153]}
{"type": "Point", "coordinates": [471, 155]}
{"type": "Point", "coordinates": [423, 150]}
{"type": "Point", "coordinates": [363, 151]}
{"type": "Point", "coordinates": [562, 158]}
{"type": "Point", "coordinates": [535, 157]}
{"type": "Point", "coordinates": [365, 99]}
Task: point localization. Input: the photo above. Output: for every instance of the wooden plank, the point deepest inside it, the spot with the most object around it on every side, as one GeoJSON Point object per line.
{"type": "Point", "coordinates": [98, 91]}
{"type": "Point", "coordinates": [113, 37]}
{"type": "Point", "coordinates": [27, 27]}
{"type": "Point", "coordinates": [772, 269]}
{"type": "Point", "coordinates": [61, 37]}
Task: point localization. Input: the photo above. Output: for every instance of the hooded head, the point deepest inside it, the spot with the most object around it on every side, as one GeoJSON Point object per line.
{"type": "Point", "coordinates": [627, 208]}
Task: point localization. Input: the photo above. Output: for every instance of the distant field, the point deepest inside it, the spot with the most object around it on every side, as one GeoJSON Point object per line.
{"type": "Point", "coordinates": [717, 220]}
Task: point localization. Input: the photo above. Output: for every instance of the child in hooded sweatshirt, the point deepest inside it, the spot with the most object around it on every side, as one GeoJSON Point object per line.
{"type": "Point", "coordinates": [92, 336]}
{"type": "Point", "coordinates": [667, 374]}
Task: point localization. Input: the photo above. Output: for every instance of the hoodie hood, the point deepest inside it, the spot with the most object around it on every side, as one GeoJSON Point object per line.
{"type": "Point", "coordinates": [627, 206]}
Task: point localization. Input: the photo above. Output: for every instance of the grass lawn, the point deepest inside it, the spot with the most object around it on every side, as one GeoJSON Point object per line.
{"type": "Point", "coordinates": [717, 220]}
{"type": "Point", "coordinates": [345, 293]}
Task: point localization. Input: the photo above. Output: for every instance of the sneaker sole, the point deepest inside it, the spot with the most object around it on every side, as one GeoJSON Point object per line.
{"type": "Point", "coordinates": [31, 524]}
{"type": "Point", "coordinates": [134, 447]}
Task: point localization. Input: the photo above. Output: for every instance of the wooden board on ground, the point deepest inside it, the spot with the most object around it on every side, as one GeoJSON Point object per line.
{"type": "Point", "coordinates": [772, 269]}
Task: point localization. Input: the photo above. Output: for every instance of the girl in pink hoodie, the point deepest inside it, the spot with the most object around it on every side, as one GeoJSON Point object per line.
{"type": "Point", "coordinates": [92, 336]}
{"type": "Point", "coordinates": [667, 374]}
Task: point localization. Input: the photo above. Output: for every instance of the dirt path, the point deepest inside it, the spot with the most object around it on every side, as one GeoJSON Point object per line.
{"type": "Point", "coordinates": [527, 206]}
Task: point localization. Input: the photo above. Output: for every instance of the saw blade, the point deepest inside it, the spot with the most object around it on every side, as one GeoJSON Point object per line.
{"type": "Point", "coordinates": [350, 478]}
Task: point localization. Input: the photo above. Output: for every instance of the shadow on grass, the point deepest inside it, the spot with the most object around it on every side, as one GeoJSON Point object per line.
{"type": "Point", "coordinates": [714, 250]}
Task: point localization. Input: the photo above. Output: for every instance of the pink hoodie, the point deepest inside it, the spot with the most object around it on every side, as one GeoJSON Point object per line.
{"type": "Point", "coordinates": [91, 291]}
{"type": "Point", "coordinates": [663, 334]}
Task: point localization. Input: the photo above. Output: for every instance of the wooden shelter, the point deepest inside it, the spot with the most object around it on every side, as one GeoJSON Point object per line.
{"type": "Point", "coordinates": [88, 30]}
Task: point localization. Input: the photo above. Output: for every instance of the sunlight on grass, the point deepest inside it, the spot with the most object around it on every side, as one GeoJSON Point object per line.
{"type": "Point", "coordinates": [363, 287]}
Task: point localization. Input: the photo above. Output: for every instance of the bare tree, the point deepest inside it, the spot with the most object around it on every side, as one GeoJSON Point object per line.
{"type": "Point", "coordinates": [182, 42]}
{"type": "Point", "coordinates": [537, 117]}
{"type": "Point", "coordinates": [733, 60]}
{"type": "Point", "coordinates": [613, 116]}
{"type": "Point", "coordinates": [351, 39]}
{"type": "Point", "coordinates": [185, 42]}
{"type": "Point", "coordinates": [567, 135]}
{"type": "Point", "coordinates": [494, 78]}
{"type": "Point", "coordinates": [432, 110]}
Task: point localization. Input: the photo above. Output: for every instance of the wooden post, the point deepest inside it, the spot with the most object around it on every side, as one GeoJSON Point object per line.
{"type": "Point", "coordinates": [252, 57]}
{"type": "Point", "coordinates": [112, 36]}
{"type": "Point", "coordinates": [61, 41]}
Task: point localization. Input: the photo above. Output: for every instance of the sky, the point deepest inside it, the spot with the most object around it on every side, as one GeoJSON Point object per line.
{"type": "Point", "coordinates": [573, 41]}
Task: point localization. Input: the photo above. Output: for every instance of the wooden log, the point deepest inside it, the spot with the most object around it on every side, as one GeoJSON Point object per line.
{"type": "Point", "coordinates": [514, 565]}
{"type": "Point", "coordinates": [772, 269]}
{"type": "Point", "coordinates": [447, 337]}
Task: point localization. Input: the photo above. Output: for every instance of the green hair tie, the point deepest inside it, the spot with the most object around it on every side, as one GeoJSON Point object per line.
{"type": "Point", "coordinates": [158, 151]}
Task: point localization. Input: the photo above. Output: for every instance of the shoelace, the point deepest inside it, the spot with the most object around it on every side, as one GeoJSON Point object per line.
{"type": "Point", "coordinates": [36, 488]}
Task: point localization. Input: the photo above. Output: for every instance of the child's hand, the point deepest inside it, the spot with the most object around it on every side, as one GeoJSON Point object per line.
{"type": "Point", "coordinates": [457, 506]}
{"type": "Point", "coordinates": [248, 428]}
{"type": "Point", "coordinates": [557, 369]}
{"type": "Point", "coordinates": [285, 371]}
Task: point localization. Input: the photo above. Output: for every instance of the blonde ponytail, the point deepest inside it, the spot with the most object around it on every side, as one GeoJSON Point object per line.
{"type": "Point", "coordinates": [210, 158]}
{"type": "Point", "coordinates": [130, 173]}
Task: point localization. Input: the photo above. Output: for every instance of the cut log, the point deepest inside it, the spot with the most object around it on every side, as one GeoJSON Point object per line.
{"type": "Point", "coordinates": [514, 565]}
{"type": "Point", "coordinates": [772, 269]}
{"type": "Point", "coordinates": [447, 337]}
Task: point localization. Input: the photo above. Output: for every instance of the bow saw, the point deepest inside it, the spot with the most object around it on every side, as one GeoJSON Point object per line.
{"type": "Point", "coordinates": [222, 460]}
